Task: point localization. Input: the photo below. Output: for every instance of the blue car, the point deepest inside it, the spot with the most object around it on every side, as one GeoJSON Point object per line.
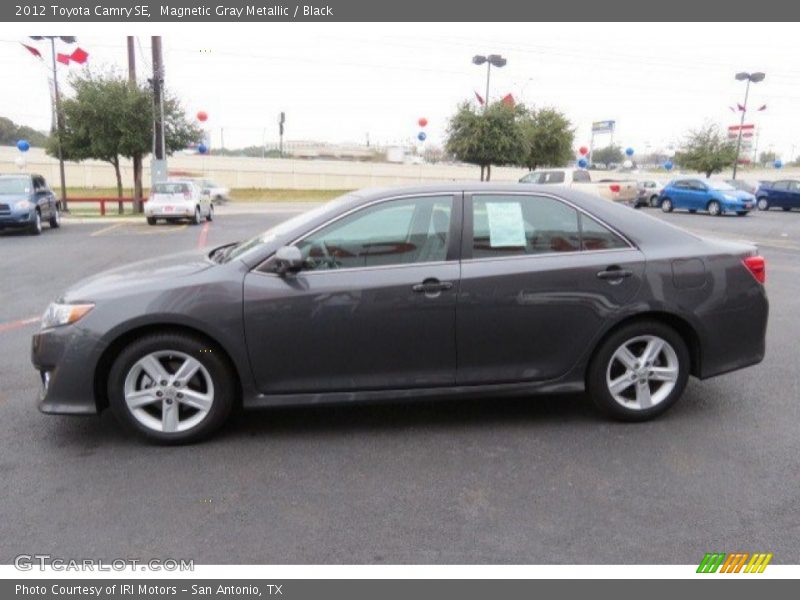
{"type": "Point", "coordinates": [711, 195]}
{"type": "Point", "coordinates": [26, 202]}
{"type": "Point", "coordinates": [783, 194]}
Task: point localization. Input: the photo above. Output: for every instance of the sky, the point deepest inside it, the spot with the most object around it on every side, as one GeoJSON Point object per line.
{"type": "Point", "coordinates": [341, 82]}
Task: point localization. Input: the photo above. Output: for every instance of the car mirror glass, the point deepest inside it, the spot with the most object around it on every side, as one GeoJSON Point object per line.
{"type": "Point", "coordinates": [288, 259]}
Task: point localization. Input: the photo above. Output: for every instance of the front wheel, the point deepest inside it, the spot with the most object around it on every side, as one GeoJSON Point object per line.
{"type": "Point", "coordinates": [55, 218]}
{"type": "Point", "coordinates": [639, 371]}
{"type": "Point", "coordinates": [151, 220]}
{"type": "Point", "coordinates": [171, 388]}
{"type": "Point", "coordinates": [714, 208]}
{"type": "Point", "coordinates": [763, 204]}
{"type": "Point", "coordinates": [666, 205]}
{"type": "Point", "coordinates": [741, 213]}
{"type": "Point", "coordinates": [36, 224]}
{"type": "Point", "coordinates": [653, 201]}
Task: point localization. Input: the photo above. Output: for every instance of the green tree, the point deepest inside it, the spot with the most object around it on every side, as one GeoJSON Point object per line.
{"type": "Point", "coordinates": [11, 133]}
{"type": "Point", "coordinates": [706, 150]}
{"type": "Point", "coordinates": [108, 118]}
{"type": "Point", "coordinates": [767, 157]}
{"type": "Point", "coordinates": [608, 155]}
{"type": "Point", "coordinates": [489, 137]}
{"type": "Point", "coordinates": [549, 136]}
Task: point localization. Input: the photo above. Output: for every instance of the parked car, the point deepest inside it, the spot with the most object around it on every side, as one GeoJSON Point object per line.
{"type": "Point", "coordinates": [26, 202]}
{"type": "Point", "coordinates": [427, 292]}
{"type": "Point", "coordinates": [647, 192]}
{"type": "Point", "coordinates": [617, 190]}
{"type": "Point", "coordinates": [711, 195]}
{"type": "Point", "coordinates": [783, 194]}
{"type": "Point", "coordinates": [216, 192]}
{"type": "Point", "coordinates": [178, 199]}
{"type": "Point", "coordinates": [743, 185]}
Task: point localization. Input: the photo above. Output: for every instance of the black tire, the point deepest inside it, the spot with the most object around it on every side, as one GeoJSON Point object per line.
{"type": "Point", "coordinates": [596, 375]}
{"type": "Point", "coordinates": [786, 208]}
{"type": "Point", "coordinates": [55, 218]}
{"type": "Point", "coordinates": [714, 208]}
{"type": "Point", "coordinates": [763, 203]}
{"type": "Point", "coordinates": [211, 358]}
{"type": "Point", "coordinates": [741, 213]}
{"type": "Point", "coordinates": [151, 220]}
{"type": "Point", "coordinates": [196, 217]}
{"type": "Point", "coordinates": [36, 225]}
{"type": "Point", "coordinates": [692, 210]}
{"type": "Point", "coordinates": [210, 215]}
{"type": "Point", "coordinates": [653, 201]}
{"type": "Point", "coordinates": [666, 205]}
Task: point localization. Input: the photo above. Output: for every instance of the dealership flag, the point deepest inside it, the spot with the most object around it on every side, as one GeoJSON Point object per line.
{"type": "Point", "coordinates": [32, 50]}
{"type": "Point", "coordinates": [62, 58]}
{"type": "Point", "coordinates": [79, 55]}
{"type": "Point", "coordinates": [481, 101]}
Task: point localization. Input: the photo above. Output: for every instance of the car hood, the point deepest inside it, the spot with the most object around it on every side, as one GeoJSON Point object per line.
{"type": "Point", "coordinates": [12, 198]}
{"type": "Point", "coordinates": [139, 275]}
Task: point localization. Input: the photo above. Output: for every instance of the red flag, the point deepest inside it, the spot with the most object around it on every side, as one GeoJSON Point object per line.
{"type": "Point", "coordinates": [79, 55]}
{"type": "Point", "coordinates": [764, 107]}
{"type": "Point", "coordinates": [62, 58]}
{"type": "Point", "coordinates": [481, 101]}
{"type": "Point", "coordinates": [508, 100]}
{"type": "Point", "coordinates": [740, 107]}
{"type": "Point", "coordinates": [32, 50]}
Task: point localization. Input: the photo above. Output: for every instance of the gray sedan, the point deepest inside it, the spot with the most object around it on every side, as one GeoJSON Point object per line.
{"type": "Point", "coordinates": [427, 292]}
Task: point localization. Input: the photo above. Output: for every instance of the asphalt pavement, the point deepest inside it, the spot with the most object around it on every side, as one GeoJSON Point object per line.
{"type": "Point", "coordinates": [539, 480]}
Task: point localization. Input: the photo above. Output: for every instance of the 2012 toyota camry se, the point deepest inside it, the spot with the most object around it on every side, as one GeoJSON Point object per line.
{"type": "Point", "coordinates": [427, 292]}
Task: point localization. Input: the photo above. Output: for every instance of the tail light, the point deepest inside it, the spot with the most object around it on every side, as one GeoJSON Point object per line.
{"type": "Point", "coordinates": [614, 188]}
{"type": "Point", "coordinates": [757, 267]}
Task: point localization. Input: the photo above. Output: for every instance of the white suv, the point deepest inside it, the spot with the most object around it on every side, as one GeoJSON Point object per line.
{"type": "Point", "coordinates": [178, 199]}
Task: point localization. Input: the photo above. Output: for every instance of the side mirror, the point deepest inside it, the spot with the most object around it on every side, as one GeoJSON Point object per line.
{"type": "Point", "coordinates": [288, 259]}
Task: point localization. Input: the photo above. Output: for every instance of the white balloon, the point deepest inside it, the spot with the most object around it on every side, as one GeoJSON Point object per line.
{"type": "Point", "coordinates": [627, 164]}
{"type": "Point", "coordinates": [20, 162]}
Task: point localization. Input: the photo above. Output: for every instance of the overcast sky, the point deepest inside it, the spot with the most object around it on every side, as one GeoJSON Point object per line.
{"type": "Point", "coordinates": [339, 82]}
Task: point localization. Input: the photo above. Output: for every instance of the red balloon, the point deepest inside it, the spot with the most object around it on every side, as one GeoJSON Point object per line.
{"type": "Point", "coordinates": [422, 121]}
{"type": "Point", "coordinates": [583, 150]}
{"type": "Point", "coordinates": [202, 116]}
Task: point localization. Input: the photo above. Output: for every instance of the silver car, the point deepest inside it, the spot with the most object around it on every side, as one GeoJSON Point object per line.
{"type": "Point", "coordinates": [176, 200]}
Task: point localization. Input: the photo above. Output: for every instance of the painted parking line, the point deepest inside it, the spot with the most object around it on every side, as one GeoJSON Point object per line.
{"type": "Point", "coordinates": [18, 324]}
{"type": "Point", "coordinates": [106, 230]}
{"type": "Point", "coordinates": [203, 237]}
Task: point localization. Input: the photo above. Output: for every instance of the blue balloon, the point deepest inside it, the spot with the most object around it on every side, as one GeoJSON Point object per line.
{"type": "Point", "coordinates": [23, 146]}
{"type": "Point", "coordinates": [629, 151]}
{"type": "Point", "coordinates": [778, 163]}
{"type": "Point", "coordinates": [202, 148]}
{"type": "Point", "coordinates": [583, 163]}
{"type": "Point", "coordinates": [422, 136]}
{"type": "Point", "coordinates": [668, 165]}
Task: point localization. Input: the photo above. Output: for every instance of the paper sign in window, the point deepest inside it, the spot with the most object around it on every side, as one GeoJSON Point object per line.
{"type": "Point", "coordinates": [506, 228]}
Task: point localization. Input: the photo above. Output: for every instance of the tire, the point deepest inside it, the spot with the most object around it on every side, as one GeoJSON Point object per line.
{"type": "Point", "coordinates": [714, 208]}
{"type": "Point", "coordinates": [55, 218]}
{"type": "Point", "coordinates": [653, 201]}
{"type": "Point", "coordinates": [151, 220]}
{"type": "Point", "coordinates": [741, 213]}
{"type": "Point", "coordinates": [693, 211]}
{"type": "Point", "coordinates": [786, 209]}
{"type": "Point", "coordinates": [196, 217]}
{"type": "Point", "coordinates": [210, 215]}
{"type": "Point", "coordinates": [666, 205]}
{"type": "Point", "coordinates": [36, 225]}
{"type": "Point", "coordinates": [630, 402]}
{"type": "Point", "coordinates": [189, 418]}
{"type": "Point", "coordinates": [763, 204]}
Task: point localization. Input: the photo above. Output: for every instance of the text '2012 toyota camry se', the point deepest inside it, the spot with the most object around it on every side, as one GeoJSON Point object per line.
{"type": "Point", "coordinates": [427, 292]}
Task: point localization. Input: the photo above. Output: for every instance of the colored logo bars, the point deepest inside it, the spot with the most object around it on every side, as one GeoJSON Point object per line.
{"type": "Point", "coordinates": [734, 563]}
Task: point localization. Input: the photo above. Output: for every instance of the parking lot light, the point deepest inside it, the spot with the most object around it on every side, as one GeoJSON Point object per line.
{"type": "Point", "coordinates": [748, 77]}
{"type": "Point", "coordinates": [490, 60]}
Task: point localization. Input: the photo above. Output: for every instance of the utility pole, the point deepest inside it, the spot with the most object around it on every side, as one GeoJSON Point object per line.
{"type": "Point", "coordinates": [281, 121]}
{"type": "Point", "coordinates": [59, 128]}
{"type": "Point", "coordinates": [159, 164]}
{"type": "Point", "coordinates": [137, 158]}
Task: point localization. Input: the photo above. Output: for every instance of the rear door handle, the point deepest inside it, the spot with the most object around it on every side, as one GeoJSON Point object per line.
{"type": "Point", "coordinates": [432, 286]}
{"type": "Point", "coordinates": [614, 273]}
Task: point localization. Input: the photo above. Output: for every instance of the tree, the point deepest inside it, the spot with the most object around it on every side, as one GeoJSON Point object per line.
{"type": "Point", "coordinates": [608, 155]}
{"type": "Point", "coordinates": [491, 137]}
{"type": "Point", "coordinates": [109, 118]}
{"type": "Point", "coordinates": [767, 157]}
{"type": "Point", "coordinates": [706, 150]}
{"type": "Point", "coordinates": [11, 133]}
{"type": "Point", "coordinates": [549, 136]}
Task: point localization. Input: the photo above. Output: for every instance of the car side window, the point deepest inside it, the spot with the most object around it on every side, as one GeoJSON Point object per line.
{"type": "Point", "coordinates": [581, 177]}
{"type": "Point", "coordinates": [596, 236]}
{"type": "Point", "coordinates": [517, 225]}
{"type": "Point", "coordinates": [38, 184]}
{"type": "Point", "coordinates": [403, 231]}
{"type": "Point", "coordinates": [780, 185]}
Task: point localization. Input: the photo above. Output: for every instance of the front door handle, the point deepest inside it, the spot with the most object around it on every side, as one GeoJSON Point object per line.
{"type": "Point", "coordinates": [432, 286]}
{"type": "Point", "coordinates": [614, 273]}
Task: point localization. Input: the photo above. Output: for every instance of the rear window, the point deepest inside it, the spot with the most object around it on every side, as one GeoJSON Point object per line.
{"type": "Point", "coordinates": [170, 188]}
{"type": "Point", "coordinates": [544, 177]}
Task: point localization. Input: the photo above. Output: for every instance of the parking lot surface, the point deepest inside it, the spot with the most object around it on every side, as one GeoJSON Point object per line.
{"type": "Point", "coordinates": [540, 480]}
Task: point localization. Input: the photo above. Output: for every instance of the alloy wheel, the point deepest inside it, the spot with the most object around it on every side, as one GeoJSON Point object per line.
{"type": "Point", "coordinates": [714, 208]}
{"type": "Point", "coordinates": [642, 372]}
{"type": "Point", "coordinates": [763, 204]}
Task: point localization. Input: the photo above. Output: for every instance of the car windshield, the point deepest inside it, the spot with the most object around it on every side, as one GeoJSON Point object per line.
{"type": "Point", "coordinates": [14, 185]}
{"type": "Point", "coordinates": [721, 186]}
{"type": "Point", "coordinates": [280, 229]}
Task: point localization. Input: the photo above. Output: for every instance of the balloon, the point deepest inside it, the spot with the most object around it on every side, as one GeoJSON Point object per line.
{"type": "Point", "coordinates": [629, 151]}
{"type": "Point", "coordinates": [668, 165]}
{"type": "Point", "coordinates": [20, 162]}
{"type": "Point", "coordinates": [23, 146]}
{"type": "Point", "coordinates": [778, 163]}
{"type": "Point", "coordinates": [202, 116]}
{"type": "Point", "coordinates": [421, 136]}
{"type": "Point", "coordinates": [202, 148]}
{"type": "Point", "coordinates": [583, 150]}
{"type": "Point", "coordinates": [422, 121]}
{"type": "Point", "coordinates": [627, 164]}
{"type": "Point", "coordinates": [583, 163]}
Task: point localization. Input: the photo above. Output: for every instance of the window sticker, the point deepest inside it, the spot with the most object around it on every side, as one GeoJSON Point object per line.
{"type": "Point", "coordinates": [506, 227]}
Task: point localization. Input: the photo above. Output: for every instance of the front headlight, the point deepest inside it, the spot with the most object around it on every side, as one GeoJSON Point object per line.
{"type": "Point", "coordinates": [23, 205]}
{"type": "Point", "coordinates": [57, 315]}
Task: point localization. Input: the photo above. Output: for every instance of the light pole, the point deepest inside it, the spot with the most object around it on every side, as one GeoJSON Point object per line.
{"type": "Point", "coordinates": [748, 77]}
{"type": "Point", "coordinates": [492, 59]}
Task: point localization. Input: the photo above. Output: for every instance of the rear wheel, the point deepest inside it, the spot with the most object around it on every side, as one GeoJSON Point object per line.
{"type": "Point", "coordinates": [714, 208]}
{"type": "Point", "coordinates": [151, 220]}
{"type": "Point", "coordinates": [172, 388]}
{"type": "Point", "coordinates": [666, 205]}
{"type": "Point", "coordinates": [196, 217]}
{"type": "Point", "coordinates": [210, 215]}
{"type": "Point", "coordinates": [786, 208]}
{"type": "Point", "coordinates": [763, 204]}
{"type": "Point", "coordinates": [654, 201]}
{"type": "Point", "coordinates": [36, 224]}
{"type": "Point", "coordinates": [55, 218]}
{"type": "Point", "coordinates": [639, 371]}
{"type": "Point", "coordinates": [741, 213]}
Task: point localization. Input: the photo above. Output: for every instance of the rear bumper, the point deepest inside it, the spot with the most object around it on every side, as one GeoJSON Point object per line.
{"type": "Point", "coordinates": [161, 212]}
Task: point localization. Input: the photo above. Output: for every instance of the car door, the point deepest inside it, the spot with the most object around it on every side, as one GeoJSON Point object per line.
{"type": "Point", "coordinates": [42, 196]}
{"type": "Point", "coordinates": [539, 279]}
{"type": "Point", "coordinates": [793, 195]}
{"type": "Point", "coordinates": [677, 193]}
{"type": "Point", "coordinates": [373, 307]}
{"type": "Point", "coordinates": [778, 194]}
{"type": "Point", "coordinates": [697, 195]}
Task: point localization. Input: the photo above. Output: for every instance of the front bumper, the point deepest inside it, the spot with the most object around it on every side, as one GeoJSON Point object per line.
{"type": "Point", "coordinates": [66, 358]}
{"type": "Point", "coordinates": [16, 219]}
